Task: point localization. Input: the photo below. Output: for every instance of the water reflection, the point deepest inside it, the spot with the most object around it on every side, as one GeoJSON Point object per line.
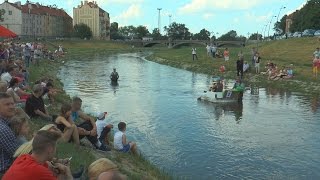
{"type": "Point", "coordinates": [271, 134]}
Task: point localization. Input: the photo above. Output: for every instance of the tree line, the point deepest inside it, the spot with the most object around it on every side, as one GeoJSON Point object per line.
{"type": "Point", "coordinates": [308, 17]}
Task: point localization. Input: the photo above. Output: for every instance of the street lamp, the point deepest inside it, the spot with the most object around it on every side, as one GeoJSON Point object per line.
{"type": "Point", "coordinates": [270, 25]}
{"type": "Point", "coordinates": [282, 7]}
{"type": "Point", "coordinates": [159, 9]}
{"type": "Point", "coordinates": [264, 31]}
{"type": "Point", "coordinates": [170, 15]}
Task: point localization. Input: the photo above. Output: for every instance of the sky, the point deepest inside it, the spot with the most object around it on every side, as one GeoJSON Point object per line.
{"type": "Point", "coordinates": [217, 16]}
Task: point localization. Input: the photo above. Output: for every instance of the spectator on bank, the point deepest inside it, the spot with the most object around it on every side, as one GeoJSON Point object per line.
{"type": "Point", "coordinates": [120, 140]}
{"type": "Point", "coordinates": [14, 83]}
{"type": "Point", "coordinates": [257, 63]}
{"type": "Point", "coordinates": [40, 164]}
{"type": "Point", "coordinates": [245, 67]}
{"type": "Point", "coordinates": [239, 66]}
{"type": "Point", "coordinates": [20, 126]}
{"type": "Point", "coordinates": [37, 55]}
{"type": "Point", "coordinates": [27, 55]}
{"type": "Point", "coordinates": [99, 166]}
{"type": "Point", "coordinates": [103, 128]}
{"type": "Point", "coordinates": [88, 125]}
{"type": "Point", "coordinates": [10, 72]}
{"type": "Point", "coordinates": [194, 54]}
{"type": "Point", "coordinates": [253, 54]}
{"type": "Point", "coordinates": [213, 51]}
{"type": "Point", "coordinates": [65, 125]}
{"type": "Point", "coordinates": [3, 86]}
{"type": "Point", "coordinates": [316, 53]}
{"type": "Point", "coordinates": [315, 64]}
{"type": "Point", "coordinates": [8, 140]}
{"type": "Point", "coordinates": [226, 54]}
{"type": "Point", "coordinates": [208, 48]}
{"type": "Point", "coordinates": [35, 104]}
{"type": "Point", "coordinates": [222, 68]}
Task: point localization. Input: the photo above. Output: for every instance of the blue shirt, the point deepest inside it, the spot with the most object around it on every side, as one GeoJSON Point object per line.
{"type": "Point", "coordinates": [74, 115]}
{"type": "Point", "coordinates": [8, 145]}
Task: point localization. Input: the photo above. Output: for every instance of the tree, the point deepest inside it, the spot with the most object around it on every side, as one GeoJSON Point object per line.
{"type": "Point", "coordinates": [177, 31]}
{"type": "Point", "coordinates": [141, 31]}
{"type": "Point", "coordinates": [128, 31]}
{"type": "Point", "coordinates": [82, 31]}
{"type": "Point", "coordinates": [229, 36]}
{"type": "Point", "coordinates": [307, 17]}
{"type": "Point", "coordinates": [280, 26]}
{"type": "Point", "coordinates": [202, 35]}
{"type": "Point", "coordinates": [155, 34]}
{"type": "Point", "coordinates": [255, 36]}
{"type": "Point", "coordinates": [114, 31]}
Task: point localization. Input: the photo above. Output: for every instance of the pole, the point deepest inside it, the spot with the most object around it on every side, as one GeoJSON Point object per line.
{"type": "Point", "coordinates": [282, 7]}
{"type": "Point", "coordinates": [159, 9]}
{"type": "Point", "coordinates": [170, 19]}
{"type": "Point", "coordinates": [270, 25]}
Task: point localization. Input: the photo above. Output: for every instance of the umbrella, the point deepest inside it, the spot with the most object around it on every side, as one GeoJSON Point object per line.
{"type": "Point", "coordinates": [6, 33]}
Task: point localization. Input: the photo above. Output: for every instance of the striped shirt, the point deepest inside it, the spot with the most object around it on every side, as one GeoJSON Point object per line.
{"type": "Point", "coordinates": [8, 145]}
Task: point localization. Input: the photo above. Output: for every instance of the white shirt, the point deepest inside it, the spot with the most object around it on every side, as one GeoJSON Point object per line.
{"type": "Point", "coordinates": [6, 77]}
{"type": "Point", "coordinates": [194, 51]}
{"type": "Point", "coordinates": [100, 125]}
{"type": "Point", "coordinates": [117, 140]}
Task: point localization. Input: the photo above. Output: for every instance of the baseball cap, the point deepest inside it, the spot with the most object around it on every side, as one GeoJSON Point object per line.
{"type": "Point", "coordinates": [101, 115]}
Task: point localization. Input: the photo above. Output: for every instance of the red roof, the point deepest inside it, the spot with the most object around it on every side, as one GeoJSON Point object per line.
{"type": "Point", "coordinates": [41, 10]}
{"type": "Point", "coordinates": [6, 33]}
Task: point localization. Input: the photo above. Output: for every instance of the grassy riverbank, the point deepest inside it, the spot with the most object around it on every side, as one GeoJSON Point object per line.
{"type": "Point", "coordinates": [135, 167]}
{"type": "Point", "coordinates": [297, 52]}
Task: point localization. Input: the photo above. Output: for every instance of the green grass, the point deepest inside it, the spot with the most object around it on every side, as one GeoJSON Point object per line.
{"type": "Point", "coordinates": [297, 51]}
{"type": "Point", "coordinates": [135, 167]}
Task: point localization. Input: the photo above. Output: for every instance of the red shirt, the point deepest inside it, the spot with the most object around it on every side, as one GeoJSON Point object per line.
{"type": "Point", "coordinates": [26, 167]}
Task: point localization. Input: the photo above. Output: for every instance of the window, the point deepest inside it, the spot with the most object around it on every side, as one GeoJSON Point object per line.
{"type": "Point", "coordinates": [10, 12]}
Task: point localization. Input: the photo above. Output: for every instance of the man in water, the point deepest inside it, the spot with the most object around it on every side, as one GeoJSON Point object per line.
{"type": "Point", "coordinates": [114, 75]}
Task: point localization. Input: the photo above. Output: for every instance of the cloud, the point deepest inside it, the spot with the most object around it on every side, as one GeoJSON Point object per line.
{"type": "Point", "coordinates": [132, 12]}
{"type": "Point", "coordinates": [200, 5]}
{"type": "Point", "coordinates": [207, 16]}
{"type": "Point", "coordinates": [251, 17]}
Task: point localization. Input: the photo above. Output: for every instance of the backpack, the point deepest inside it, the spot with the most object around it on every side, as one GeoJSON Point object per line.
{"type": "Point", "coordinates": [258, 60]}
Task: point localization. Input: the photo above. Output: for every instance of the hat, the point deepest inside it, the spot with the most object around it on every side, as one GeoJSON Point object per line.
{"type": "Point", "coordinates": [101, 115]}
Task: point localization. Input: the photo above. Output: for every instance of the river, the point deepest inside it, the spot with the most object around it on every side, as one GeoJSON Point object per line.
{"type": "Point", "coordinates": [272, 135]}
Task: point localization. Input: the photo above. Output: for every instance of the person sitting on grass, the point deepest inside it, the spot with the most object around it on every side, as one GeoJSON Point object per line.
{"type": "Point", "coordinates": [65, 125]}
{"type": "Point", "coordinates": [120, 140]}
{"type": "Point", "coordinates": [88, 125]}
{"type": "Point", "coordinates": [8, 140]}
{"type": "Point", "coordinates": [50, 91]}
{"type": "Point", "coordinates": [282, 73]}
{"type": "Point", "coordinates": [102, 165]}
{"type": "Point", "coordinates": [222, 68]}
{"type": "Point", "coordinates": [103, 128]}
{"type": "Point", "coordinates": [20, 126]}
{"type": "Point", "coordinates": [41, 163]}
{"type": "Point", "coordinates": [35, 105]}
{"type": "Point", "coordinates": [13, 84]}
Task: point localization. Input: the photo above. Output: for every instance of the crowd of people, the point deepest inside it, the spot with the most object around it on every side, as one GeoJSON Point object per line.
{"type": "Point", "coordinates": [22, 102]}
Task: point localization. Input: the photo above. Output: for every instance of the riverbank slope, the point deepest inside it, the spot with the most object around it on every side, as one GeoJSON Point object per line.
{"type": "Point", "coordinates": [296, 53]}
{"type": "Point", "coordinates": [134, 167]}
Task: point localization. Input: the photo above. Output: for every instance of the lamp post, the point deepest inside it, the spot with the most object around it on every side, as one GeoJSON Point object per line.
{"type": "Point", "coordinates": [264, 31]}
{"type": "Point", "coordinates": [282, 7]}
{"type": "Point", "coordinates": [170, 15]}
{"type": "Point", "coordinates": [159, 9]}
{"type": "Point", "coordinates": [270, 25]}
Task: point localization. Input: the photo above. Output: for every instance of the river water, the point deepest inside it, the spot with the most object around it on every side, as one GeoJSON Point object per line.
{"type": "Point", "coordinates": [273, 135]}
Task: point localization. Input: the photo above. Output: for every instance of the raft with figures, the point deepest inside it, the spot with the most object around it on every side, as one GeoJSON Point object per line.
{"type": "Point", "coordinates": [222, 91]}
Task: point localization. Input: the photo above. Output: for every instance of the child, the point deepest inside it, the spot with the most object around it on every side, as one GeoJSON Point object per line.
{"type": "Point", "coordinates": [120, 140]}
{"type": "Point", "coordinates": [20, 127]}
{"type": "Point", "coordinates": [222, 69]}
{"type": "Point", "coordinates": [103, 128]}
{"type": "Point", "coordinates": [226, 54]}
{"type": "Point", "coordinates": [315, 66]}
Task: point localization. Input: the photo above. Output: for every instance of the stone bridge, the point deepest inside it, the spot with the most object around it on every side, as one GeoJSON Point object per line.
{"type": "Point", "coordinates": [177, 43]}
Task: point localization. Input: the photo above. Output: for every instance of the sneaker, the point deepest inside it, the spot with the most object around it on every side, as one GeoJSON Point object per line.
{"type": "Point", "coordinates": [104, 148]}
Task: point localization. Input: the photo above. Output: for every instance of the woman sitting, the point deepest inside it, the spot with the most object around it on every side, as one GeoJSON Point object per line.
{"type": "Point", "coordinates": [65, 124]}
{"type": "Point", "coordinates": [13, 85]}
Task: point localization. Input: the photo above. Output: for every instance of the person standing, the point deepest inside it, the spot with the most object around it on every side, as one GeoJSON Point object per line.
{"type": "Point", "coordinates": [208, 50]}
{"type": "Point", "coordinates": [253, 53]}
{"type": "Point", "coordinates": [226, 54]}
{"type": "Point", "coordinates": [257, 63]}
{"type": "Point", "coordinates": [240, 67]}
{"type": "Point", "coordinates": [194, 54]}
{"type": "Point", "coordinates": [27, 55]}
{"type": "Point", "coordinates": [213, 51]}
{"type": "Point", "coordinates": [316, 53]}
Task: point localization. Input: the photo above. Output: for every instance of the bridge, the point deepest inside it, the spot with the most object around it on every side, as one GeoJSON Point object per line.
{"type": "Point", "coordinates": [178, 43]}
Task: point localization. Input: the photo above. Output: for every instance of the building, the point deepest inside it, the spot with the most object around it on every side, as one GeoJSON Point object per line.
{"type": "Point", "coordinates": [288, 23]}
{"type": "Point", "coordinates": [92, 15]}
{"type": "Point", "coordinates": [35, 20]}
